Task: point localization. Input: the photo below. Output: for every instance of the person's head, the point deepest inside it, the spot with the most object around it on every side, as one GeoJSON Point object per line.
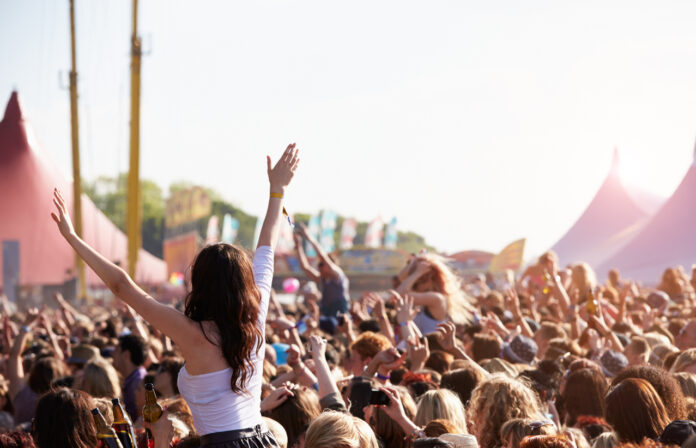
{"type": "Point", "coordinates": [439, 361]}
{"type": "Point", "coordinates": [130, 353]}
{"type": "Point", "coordinates": [296, 412]}
{"type": "Point", "coordinates": [685, 362]}
{"type": "Point", "coordinates": [485, 346]}
{"type": "Point", "coordinates": [440, 278]}
{"type": "Point", "coordinates": [549, 261]}
{"type": "Point", "coordinates": [545, 334]}
{"type": "Point", "coordinates": [166, 376]}
{"type": "Point", "coordinates": [583, 394]}
{"type": "Point", "coordinates": [495, 401]}
{"type": "Point", "coordinates": [324, 269]}
{"type": "Point", "coordinates": [441, 403]}
{"type": "Point", "coordinates": [278, 431]}
{"type": "Point", "coordinates": [521, 350]}
{"type": "Point", "coordinates": [462, 382]}
{"type": "Point", "coordinates": [637, 351]}
{"type": "Point", "coordinates": [63, 419]}
{"type": "Point", "coordinates": [546, 442]}
{"type": "Point", "coordinates": [687, 381]}
{"type": "Point", "coordinates": [686, 338]}
{"type": "Point", "coordinates": [43, 372]}
{"type": "Point", "coordinates": [583, 278]}
{"type": "Point", "coordinates": [665, 385]}
{"type": "Point", "coordinates": [339, 430]}
{"type": "Point", "coordinates": [364, 348]}
{"type": "Point", "coordinates": [513, 431]}
{"type": "Point", "coordinates": [388, 431]}
{"type": "Point", "coordinates": [635, 411]}
{"type": "Point", "coordinates": [99, 379]}
{"type": "Point", "coordinates": [672, 283]}
{"type": "Point", "coordinates": [223, 291]}
{"type": "Point", "coordinates": [606, 440]}
{"type": "Point", "coordinates": [615, 278]}
{"type": "Point", "coordinates": [438, 427]}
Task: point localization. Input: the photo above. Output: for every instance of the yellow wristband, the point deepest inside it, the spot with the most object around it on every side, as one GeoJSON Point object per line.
{"type": "Point", "coordinates": [277, 195]}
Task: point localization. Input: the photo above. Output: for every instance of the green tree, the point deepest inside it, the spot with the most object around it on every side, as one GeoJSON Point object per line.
{"type": "Point", "coordinates": [109, 195]}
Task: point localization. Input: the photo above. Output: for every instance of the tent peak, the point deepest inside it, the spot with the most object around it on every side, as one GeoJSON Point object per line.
{"type": "Point", "coordinates": [13, 111]}
{"type": "Point", "coordinates": [615, 162]}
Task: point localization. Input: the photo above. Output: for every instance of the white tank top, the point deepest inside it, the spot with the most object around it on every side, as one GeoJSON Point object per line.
{"type": "Point", "coordinates": [215, 408]}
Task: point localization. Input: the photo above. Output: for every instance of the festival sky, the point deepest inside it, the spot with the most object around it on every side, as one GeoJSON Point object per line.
{"type": "Point", "coordinates": [474, 124]}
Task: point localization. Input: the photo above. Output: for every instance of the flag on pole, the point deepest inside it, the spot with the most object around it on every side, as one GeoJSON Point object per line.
{"type": "Point", "coordinates": [511, 257]}
{"type": "Point", "coordinates": [348, 232]}
{"type": "Point", "coordinates": [391, 236]}
{"type": "Point", "coordinates": [373, 235]}
{"type": "Point", "coordinates": [230, 227]}
{"type": "Point", "coordinates": [328, 225]}
{"type": "Point", "coordinates": [313, 229]}
{"type": "Point", "coordinates": [213, 233]}
{"type": "Point", "coordinates": [286, 245]}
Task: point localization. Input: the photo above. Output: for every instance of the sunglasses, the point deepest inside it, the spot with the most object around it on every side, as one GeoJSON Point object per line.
{"type": "Point", "coordinates": [534, 428]}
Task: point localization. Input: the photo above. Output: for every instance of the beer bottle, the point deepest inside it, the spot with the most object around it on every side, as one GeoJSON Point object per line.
{"type": "Point", "coordinates": [591, 304]}
{"type": "Point", "coordinates": [105, 433]}
{"type": "Point", "coordinates": [152, 411]}
{"type": "Point", "coordinates": [123, 425]}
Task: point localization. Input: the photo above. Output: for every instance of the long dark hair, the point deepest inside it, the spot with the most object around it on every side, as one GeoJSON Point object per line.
{"type": "Point", "coordinates": [223, 291]}
{"type": "Point", "coordinates": [63, 419]}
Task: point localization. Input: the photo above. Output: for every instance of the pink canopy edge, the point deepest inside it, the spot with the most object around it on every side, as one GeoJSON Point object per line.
{"type": "Point", "coordinates": [27, 180]}
{"type": "Point", "coordinates": [608, 223]}
{"type": "Point", "coordinates": [667, 240]}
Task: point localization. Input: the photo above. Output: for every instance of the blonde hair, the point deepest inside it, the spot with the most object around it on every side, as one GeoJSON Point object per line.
{"type": "Point", "coordinates": [100, 379]}
{"type": "Point", "coordinates": [338, 430]}
{"type": "Point", "coordinates": [583, 278]}
{"type": "Point", "coordinates": [687, 381]}
{"type": "Point", "coordinates": [684, 360]}
{"type": "Point", "coordinates": [446, 282]}
{"type": "Point", "coordinates": [496, 401]}
{"type": "Point", "coordinates": [444, 404]}
{"type": "Point", "coordinates": [606, 440]}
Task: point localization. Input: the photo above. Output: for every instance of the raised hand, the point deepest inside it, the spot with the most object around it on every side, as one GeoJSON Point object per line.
{"type": "Point", "coordinates": [418, 352]}
{"type": "Point", "coordinates": [65, 225]}
{"type": "Point", "coordinates": [276, 398]}
{"type": "Point", "coordinates": [318, 345]}
{"type": "Point", "coordinates": [406, 312]}
{"type": "Point", "coordinates": [282, 173]}
{"type": "Point", "coordinates": [446, 333]}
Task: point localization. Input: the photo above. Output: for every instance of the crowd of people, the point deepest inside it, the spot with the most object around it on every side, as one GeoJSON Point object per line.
{"type": "Point", "coordinates": [551, 359]}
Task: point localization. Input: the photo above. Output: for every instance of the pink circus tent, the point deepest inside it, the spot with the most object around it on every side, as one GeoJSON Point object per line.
{"type": "Point", "coordinates": [667, 240]}
{"type": "Point", "coordinates": [27, 180]}
{"type": "Point", "coordinates": [609, 222]}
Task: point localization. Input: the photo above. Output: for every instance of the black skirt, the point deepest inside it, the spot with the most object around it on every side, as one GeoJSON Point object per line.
{"type": "Point", "coordinates": [240, 438]}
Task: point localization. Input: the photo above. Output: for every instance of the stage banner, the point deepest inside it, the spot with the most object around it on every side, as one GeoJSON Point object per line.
{"type": "Point", "coordinates": [179, 252]}
{"type": "Point", "coordinates": [186, 206]}
{"type": "Point", "coordinates": [511, 257]}
{"type": "Point", "coordinates": [212, 236]}
{"type": "Point", "coordinates": [373, 235]}
{"type": "Point", "coordinates": [328, 225]}
{"type": "Point", "coordinates": [313, 227]}
{"type": "Point", "coordinates": [348, 232]}
{"type": "Point", "coordinates": [10, 269]}
{"type": "Point", "coordinates": [391, 237]}
{"type": "Point", "coordinates": [230, 228]}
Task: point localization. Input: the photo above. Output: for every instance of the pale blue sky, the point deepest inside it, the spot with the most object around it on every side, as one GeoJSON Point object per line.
{"type": "Point", "coordinates": [475, 123]}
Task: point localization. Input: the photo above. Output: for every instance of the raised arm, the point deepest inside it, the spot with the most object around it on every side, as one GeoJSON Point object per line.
{"type": "Point", "coordinates": [169, 321]}
{"type": "Point", "coordinates": [309, 271]}
{"type": "Point", "coordinates": [321, 253]}
{"type": "Point", "coordinates": [279, 178]}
